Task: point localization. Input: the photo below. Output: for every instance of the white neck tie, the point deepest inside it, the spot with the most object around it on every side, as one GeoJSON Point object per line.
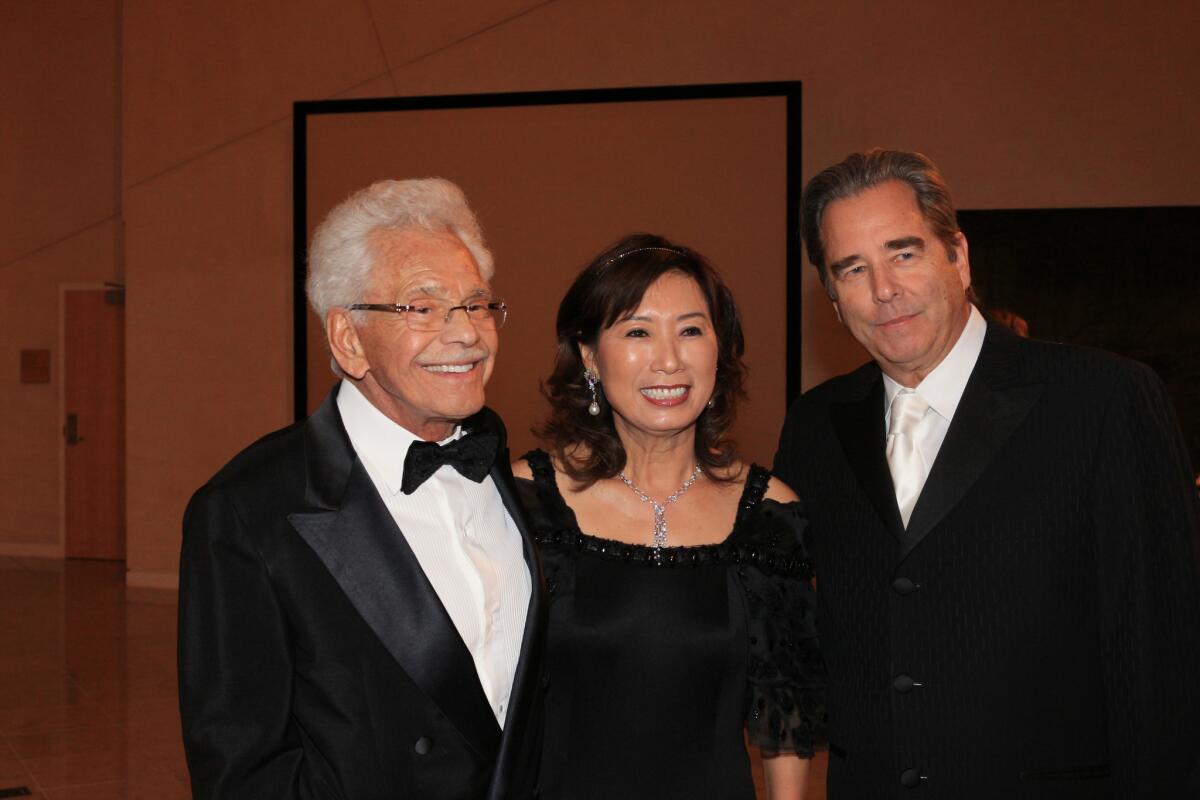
{"type": "Point", "coordinates": [903, 454]}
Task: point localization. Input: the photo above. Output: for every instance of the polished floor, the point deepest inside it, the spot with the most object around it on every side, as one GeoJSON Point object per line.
{"type": "Point", "coordinates": [87, 686]}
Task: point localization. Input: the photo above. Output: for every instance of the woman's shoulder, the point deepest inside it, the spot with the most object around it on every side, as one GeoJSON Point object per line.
{"type": "Point", "coordinates": [749, 484]}
{"type": "Point", "coordinates": [531, 462]}
{"type": "Point", "coordinates": [778, 491]}
{"type": "Point", "coordinates": [771, 519]}
{"type": "Point", "coordinates": [541, 469]}
{"type": "Point", "coordinates": [521, 469]}
{"type": "Point", "coordinates": [757, 484]}
{"type": "Point", "coordinates": [537, 485]}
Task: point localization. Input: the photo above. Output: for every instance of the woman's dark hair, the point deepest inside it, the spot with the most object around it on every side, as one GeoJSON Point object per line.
{"type": "Point", "coordinates": [607, 289]}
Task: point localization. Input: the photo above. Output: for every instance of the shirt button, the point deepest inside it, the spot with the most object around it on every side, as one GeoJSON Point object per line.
{"type": "Point", "coordinates": [423, 745]}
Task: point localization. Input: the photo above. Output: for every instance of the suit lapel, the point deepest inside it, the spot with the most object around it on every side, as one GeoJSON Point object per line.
{"type": "Point", "coordinates": [858, 421]}
{"type": "Point", "coordinates": [993, 405]}
{"type": "Point", "coordinates": [357, 540]}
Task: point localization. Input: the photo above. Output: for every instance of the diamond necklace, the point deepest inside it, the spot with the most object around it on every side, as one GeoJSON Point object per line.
{"type": "Point", "coordinates": [660, 509]}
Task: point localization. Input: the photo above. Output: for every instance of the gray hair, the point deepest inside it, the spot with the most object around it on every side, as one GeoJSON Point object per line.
{"type": "Point", "coordinates": [861, 171]}
{"type": "Point", "coordinates": [341, 256]}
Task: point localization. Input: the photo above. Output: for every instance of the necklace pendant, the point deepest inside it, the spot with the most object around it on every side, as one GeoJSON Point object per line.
{"type": "Point", "coordinates": [659, 536]}
{"type": "Point", "coordinates": [660, 530]}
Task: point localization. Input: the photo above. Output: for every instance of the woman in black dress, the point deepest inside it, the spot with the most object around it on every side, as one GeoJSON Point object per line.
{"type": "Point", "coordinates": [681, 611]}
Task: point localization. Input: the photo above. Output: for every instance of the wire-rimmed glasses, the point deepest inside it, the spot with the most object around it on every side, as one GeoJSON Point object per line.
{"type": "Point", "coordinates": [433, 315]}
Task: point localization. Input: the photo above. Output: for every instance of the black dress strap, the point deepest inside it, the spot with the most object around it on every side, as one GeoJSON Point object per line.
{"type": "Point", "coordinates": [756, 487]}
{"type": "Point", "coordinates": [547, 490]}
{"type": "Point", "coordinates": [540, 464]}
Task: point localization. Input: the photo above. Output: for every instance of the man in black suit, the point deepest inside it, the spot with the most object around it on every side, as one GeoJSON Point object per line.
{"type": "Point", "coordinates": [1004, 530]}
{"type": "Point", "coordinates": [360, 607]}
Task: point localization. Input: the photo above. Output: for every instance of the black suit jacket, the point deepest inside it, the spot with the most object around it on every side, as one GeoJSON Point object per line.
{"type": "Point", "coordinates": [315, 658]}
{"type": "Point", "coordinates": [1035, 632]}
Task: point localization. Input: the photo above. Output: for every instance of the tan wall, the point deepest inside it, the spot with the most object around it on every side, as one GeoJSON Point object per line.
{"type": "Point", "coordinates": [1024, 104]}
{"type": "Point", "coordinates": [58, 225]}
{"type": "Point", "coordinates": [30, 435]}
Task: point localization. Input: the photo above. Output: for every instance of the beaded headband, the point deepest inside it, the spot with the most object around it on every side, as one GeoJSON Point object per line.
{"type": "Point", "coordinates": [619, 256]}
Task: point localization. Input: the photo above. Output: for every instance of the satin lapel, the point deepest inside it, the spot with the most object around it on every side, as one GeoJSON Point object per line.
{"type": "Point", "coordinates": [859, 426]}
{"type": "Point", "coordinates": [359, 543]}
{"type": "Point", "coordinates": [993, 405]}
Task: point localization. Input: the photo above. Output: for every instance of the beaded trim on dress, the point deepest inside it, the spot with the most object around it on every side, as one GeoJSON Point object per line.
{"type": "Point", "coordinates": [763, 551]}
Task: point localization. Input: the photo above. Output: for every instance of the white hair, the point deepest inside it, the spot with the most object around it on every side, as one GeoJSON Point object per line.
{"type": "Point", "coordinates": [340, 257]}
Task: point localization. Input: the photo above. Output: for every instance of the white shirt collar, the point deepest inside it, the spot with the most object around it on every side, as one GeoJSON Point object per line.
{"type": "Point", "coordinates": [944, 387]}
{"type": "Point", "coordinates": [376, 439]}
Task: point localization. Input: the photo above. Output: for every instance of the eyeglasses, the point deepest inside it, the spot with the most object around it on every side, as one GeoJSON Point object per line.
{"type": "Point", "coordinates": [430, 315]}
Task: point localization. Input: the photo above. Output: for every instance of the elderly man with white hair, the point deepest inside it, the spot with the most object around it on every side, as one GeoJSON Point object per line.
{"type": "Point", "coordinates": [360, 605]}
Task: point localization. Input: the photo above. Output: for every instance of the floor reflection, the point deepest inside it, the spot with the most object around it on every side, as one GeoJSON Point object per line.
{"type": "Point", "coordinates": [88, 704]}
{"type": "Point", "coordinates": [87, 685]}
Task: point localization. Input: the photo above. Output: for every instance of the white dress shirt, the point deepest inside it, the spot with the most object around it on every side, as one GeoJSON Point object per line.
{"type": "Point", "coordinates": [463, 537]}
{"type": "Point", "coordinates": [941, 389]}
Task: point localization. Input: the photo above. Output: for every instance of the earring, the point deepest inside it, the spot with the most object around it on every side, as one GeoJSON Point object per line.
{"type": "Point", "coordinates": [712, 401]}
{"type": "Point", "coordinates": [594, 406]}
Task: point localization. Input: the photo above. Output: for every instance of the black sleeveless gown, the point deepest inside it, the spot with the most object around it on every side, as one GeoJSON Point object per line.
{"type": "Point", "coordinates": [659, 660]}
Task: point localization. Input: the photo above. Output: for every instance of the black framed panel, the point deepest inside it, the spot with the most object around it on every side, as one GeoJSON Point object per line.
{"type": "Point", "coordinates": [554, 177]}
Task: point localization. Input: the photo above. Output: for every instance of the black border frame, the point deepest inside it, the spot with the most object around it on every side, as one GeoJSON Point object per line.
{"type": "Point", "coordinates": [302, 110]}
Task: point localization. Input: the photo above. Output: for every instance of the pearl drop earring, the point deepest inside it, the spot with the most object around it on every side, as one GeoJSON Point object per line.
{"type": "Point", "coordinates": [594, 406]}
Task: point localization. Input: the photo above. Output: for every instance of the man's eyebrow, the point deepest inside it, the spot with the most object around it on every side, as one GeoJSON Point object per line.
{"type": "Point", "coordinates": [440, 291]}
{"type": "Point", "coordinates": [902, 243]}
{"type": "Point", "coordinates": [429, 290]}
{"type": "Point", "coordinates": [906, 242]}
{"type": "Point", "coordinates": [842, 263]}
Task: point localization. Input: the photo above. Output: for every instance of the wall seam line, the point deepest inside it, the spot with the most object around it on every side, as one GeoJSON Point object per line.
{"type": "Point", "coordinates": [473, 34]}
{"type": "Point", "coordinates": [240, 137]}
{"type": "Point", "coordinates": [43, 247]}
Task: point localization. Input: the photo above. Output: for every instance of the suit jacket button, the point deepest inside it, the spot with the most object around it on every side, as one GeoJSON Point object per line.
{"type": "Point", "coordinates": [903, 586]}
{"type": "Point", "coordinates": [423, 746]}
{"type": "Point", "coordinates": [903, 684]}
{"type": "Point", "coordinates": [910, 778]}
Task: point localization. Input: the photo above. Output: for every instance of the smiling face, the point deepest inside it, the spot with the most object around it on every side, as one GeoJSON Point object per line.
{"type": "Point", "coordinates": [893, 282]}
{"type": "Point", "coordinates": [425, 381]}
{"type": "Point", "coordinates": [658, 364]}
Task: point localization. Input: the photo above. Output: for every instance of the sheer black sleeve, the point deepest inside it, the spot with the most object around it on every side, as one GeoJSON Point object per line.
{"type": "Point", "coordinates": [786, 675]}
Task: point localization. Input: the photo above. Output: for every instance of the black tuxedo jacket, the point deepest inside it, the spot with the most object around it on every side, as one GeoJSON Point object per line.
{"type": "Point", "coordinates": [1035, 632]}
{"type": "Point", "coordinates": [315, 658]}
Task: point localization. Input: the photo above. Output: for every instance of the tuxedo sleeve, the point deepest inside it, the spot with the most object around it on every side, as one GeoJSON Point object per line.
{"type": "Point", "coordinates": [235, 672]}
{"type": "Point", "coordinates": [1146, 523]}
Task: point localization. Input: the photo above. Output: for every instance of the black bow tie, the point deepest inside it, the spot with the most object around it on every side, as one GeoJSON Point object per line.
{"type": "Point", "coordinates": [472, 455]}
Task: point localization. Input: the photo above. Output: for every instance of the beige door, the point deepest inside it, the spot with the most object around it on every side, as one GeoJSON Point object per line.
{"type": "Point", "coordinates": [94, 428]}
